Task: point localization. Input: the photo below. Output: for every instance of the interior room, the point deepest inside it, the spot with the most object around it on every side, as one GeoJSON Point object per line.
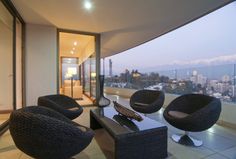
{"type": "Point", "coordinates": [99, 79]}
{"type": "Point", "coordinates": [77, 67]}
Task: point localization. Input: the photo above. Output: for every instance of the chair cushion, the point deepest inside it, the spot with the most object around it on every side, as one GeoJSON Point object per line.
{"type": "Point", "coordinates": [74, 108]}
{"type": "Point", "coordinates": [82, 128]}
{"type": "Point", "coordinates": [177, 114]}
{"type": "Point", "coordinates": [141, 104]}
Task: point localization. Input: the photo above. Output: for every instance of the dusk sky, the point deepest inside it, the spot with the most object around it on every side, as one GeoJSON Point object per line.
{"type": "Point", "coordinates": [212, 37]}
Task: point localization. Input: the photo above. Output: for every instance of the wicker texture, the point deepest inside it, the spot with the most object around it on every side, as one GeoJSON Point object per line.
{"type": "Point", "coordinates": [131, 142]}
{"type": "Point", "coordinates": [45, 134]}
{"type": "Point", "coordinates": [153, 99]}
{"type": "Point", "coordinates": [61, 104]}
{"type": "Point", "coordinates": [146, 145]}
{"type": "Point", "coordinates": [203, 110]}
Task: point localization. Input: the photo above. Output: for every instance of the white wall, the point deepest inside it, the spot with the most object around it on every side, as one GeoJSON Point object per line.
{"type": "Point", "coordinates": [40, 62]}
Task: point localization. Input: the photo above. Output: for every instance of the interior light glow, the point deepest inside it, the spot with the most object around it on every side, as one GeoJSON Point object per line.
{"type": "Point", "coordinates": [72, 52]}
{"type": "Point", "coordinates": [87, 5]}
{"type": "Point", "coordinates": [75, 43]}
{"type": "Point", "coordinates": [73, 48]}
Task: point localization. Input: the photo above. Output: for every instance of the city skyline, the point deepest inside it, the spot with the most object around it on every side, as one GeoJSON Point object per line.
{"type": "Point", "coordinates": [209, 38]}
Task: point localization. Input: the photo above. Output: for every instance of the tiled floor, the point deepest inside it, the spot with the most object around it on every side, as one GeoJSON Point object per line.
{"type": "Point", "coordinates": [219, 142]}
{"type": "Point", "coordinates": [85, 101]}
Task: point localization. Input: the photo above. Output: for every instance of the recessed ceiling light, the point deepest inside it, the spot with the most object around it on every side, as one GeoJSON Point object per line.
{"type": "Point", "coordinates": [72, 52]}
{"type": "Point", "coordinates": [75, 43]}
{"type": "Point", "coordinates": [73, 48]}
{"type": "Point", "coordinates": [87, 5]}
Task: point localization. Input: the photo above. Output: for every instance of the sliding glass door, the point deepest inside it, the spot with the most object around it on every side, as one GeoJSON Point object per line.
{"type": "Point", "coordinates": [11, 61]}
{"type": "Point", "coordinates": [6, 59]}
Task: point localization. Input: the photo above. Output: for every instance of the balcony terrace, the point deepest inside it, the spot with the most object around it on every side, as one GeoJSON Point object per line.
{"type": "Point", "coordinates": [50, 47]}
{"type": "Point", "coordinates": [219, 142]}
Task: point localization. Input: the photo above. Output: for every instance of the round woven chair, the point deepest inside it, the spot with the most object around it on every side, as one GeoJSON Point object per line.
{"type": "Point", "coordinates": [147, 101]}
{"type": "Point", "coordinates": [192, 113]}
{"type": "Point", "coordinates": [62, 104]}
{"type": "Point", "coordinates": [45, 134]}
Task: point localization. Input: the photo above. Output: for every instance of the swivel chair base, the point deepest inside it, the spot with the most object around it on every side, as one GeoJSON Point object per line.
{"type": "Point", "coordinates": [186, 140]}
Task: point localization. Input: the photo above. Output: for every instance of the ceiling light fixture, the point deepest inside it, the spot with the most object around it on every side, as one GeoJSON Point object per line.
{"type": "Point", "coordinates": [75, 43]}
{"type": "Point", "coordinates": [72, 52]}
{"type": "Point", "coordinates": [87, 5]}
{"type": "Point", "coordinates": [73, 48]}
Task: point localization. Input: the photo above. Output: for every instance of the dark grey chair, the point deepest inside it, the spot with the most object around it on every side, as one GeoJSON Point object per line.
{"type": "Point", "coordinates": [192, 113]}
{"type": "Point", "coordinates": [44, 133]}
{"type": "Point", "coordinates": [62, 104]}
{"type": "Point", "coordinates": [147, 101]}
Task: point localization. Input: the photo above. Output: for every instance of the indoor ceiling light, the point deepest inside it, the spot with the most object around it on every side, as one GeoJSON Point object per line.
{"type": "Point", "coordinates": [75, 43]}
{"type": "Point", "coordinates": [73, 48]}
{"type": "Point", "coordinates": [72, 52]}
{"type": "Point", "coordinates": [87, 5]}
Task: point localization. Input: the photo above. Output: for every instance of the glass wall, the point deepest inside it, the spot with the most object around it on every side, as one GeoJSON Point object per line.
{"type": "Point", "coordinates": [90, 76]}
{"type": "Point", "coordinates": [218, 81]}
{"type": "Point", "coordinates": [6, 59]}
{"type": "Point", "coordinates": [87, 77]}
{"type": "Point", "coordinates": [70, 68]}
{"type": "Point", "coordinates": [93, 75]}
{"type": "Point", "coordinates": [70, 77]}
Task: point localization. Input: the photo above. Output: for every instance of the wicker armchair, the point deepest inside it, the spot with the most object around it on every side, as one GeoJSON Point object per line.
{"type": "Point", "coordinates": [46, 134]}
{"type": "Point", "coordinates": [194, 113]}
{"type": "Point", "coordinates": [62, 104]}
{"type": "Point", "coordinates": [147, 101]}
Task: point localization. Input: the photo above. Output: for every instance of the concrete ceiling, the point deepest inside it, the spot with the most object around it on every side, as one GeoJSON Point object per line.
{"type": "Point", "coordinates": [123, 24]}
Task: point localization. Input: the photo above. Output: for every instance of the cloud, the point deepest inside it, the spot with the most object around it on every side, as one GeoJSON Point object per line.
{"type": "Point", "coordinates": [220, 60]}
{"type": "Point", "coordinates": [210, 61]}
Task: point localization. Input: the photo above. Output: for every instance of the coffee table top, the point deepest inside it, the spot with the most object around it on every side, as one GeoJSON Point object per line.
{"type": "Point", "coordinates": [118, 125]}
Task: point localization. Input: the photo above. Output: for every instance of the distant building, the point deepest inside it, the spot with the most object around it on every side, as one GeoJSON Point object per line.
{"type": "Point", "coordinates": [225, 78]}
{"type": "Point", "coordinates": [201, 79]}
{"type": "Point", "coordinates": [198, 78]}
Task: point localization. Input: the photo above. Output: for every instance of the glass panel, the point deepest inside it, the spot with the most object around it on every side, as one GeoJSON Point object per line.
{"type": "Point", "coordinates": [87, 77]}
{"type": "Point", "coordinates": [6, 60]}
{"type": "Point", "coordinates": [93, 75]}
{"type": "Point", "coordinates": [70, 74]}
{"type": "Point", "coordinates": [18, 64]}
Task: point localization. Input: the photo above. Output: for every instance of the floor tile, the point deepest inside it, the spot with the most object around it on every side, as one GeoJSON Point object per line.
{"type": "Point", "coordinates": [216, 156]}
{"type": "Point", "coordinates": [181, 152]}
{"type": "Point", "coordinates": [214, 141]}
{"type": "Point", "coordinates": [230, 153]}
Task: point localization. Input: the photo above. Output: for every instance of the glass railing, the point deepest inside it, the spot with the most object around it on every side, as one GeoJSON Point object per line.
{"type": "Point", "coordinates": [218, 81]}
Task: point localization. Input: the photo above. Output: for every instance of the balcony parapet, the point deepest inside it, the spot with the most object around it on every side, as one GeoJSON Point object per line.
{"type": "Point", "coordinates": [227, 117]}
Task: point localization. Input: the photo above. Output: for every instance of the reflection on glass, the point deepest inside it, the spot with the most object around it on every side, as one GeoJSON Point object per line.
{"type": "Point", "coordinates": [69, 66]}
{"type": "Point", "coordinates": [70, 77]}
{"type": "Point", "coordinates": [93, 75]}
{"type": "Point", "coordinates": [87, 77]}
{"type": "Point", "coordinates": [123, 121]}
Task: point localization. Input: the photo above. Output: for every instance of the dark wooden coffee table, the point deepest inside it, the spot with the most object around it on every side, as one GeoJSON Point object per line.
{"type": "Point", "coordinates": [133, 140]}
